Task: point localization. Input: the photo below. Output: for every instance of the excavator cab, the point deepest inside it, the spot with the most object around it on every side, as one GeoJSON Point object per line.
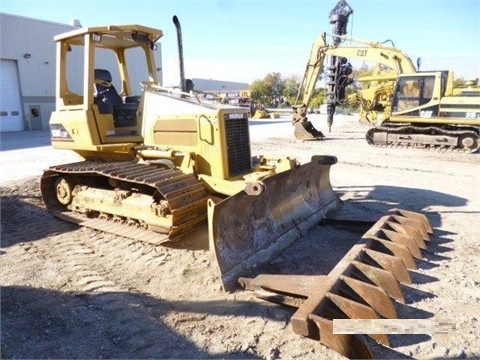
{"type": "Point", "coordinates": [99, 74]}
{"type": "Point", "coordinates": [417, 94]}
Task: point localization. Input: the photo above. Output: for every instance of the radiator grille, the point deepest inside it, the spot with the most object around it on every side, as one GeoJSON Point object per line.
{"type": "Point", "coordinates": [238, 146]}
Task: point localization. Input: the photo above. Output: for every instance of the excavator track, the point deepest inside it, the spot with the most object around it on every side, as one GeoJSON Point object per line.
{"type": "Point", "coordinates": [431, 137]}
{"type": "Point", "coordinates": [134, 200]}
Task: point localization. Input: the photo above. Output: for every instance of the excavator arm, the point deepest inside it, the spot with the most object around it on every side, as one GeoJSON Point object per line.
{"type": "Point", "coordinates": [312, 73]}
{"type": "Point", "coordinates": [338, 72]}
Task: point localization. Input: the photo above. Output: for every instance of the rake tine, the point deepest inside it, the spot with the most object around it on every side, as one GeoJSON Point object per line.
{"type": "Point", "coordinates": [396, 249]}
{"type": "Point", "coordinates": [348, 345]}
{"type": "Point", "coordinates": [381, 278]}
{"type": "Point", "coordinates": [407, 230]}
{"type": "Point", "coordinates": [413, 215]}
{"type": "Point", "coordinates": [402, 239]}
{"type": "Point", "coordinates": [356, 310]}
{"type": "Point", "coordinates": [390, 263]}
{"type": "Point", "coordinates": [373, 295]}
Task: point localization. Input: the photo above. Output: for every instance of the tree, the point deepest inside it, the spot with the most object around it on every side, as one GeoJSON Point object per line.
{"type": "Point", "coordinates": [260, 91]}
{"type": "Point", "coordinates": [459, 82]}
{"type": "Point", "coordinates": [290, 90]}
{"type": "Point", "coordinates": [318, 98]}
{"type": "Point", "coordinates": [267, 90]}
{"type": "Point", "coordinates": [276, 83]}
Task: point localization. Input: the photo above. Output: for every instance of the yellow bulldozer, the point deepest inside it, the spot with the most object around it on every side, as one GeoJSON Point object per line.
{"type": "Point", "coordinates": [410, 108]}
{"type": "Point", "coordinates": [159, 164]}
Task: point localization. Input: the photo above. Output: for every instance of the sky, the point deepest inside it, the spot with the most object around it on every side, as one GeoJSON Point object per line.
{"type": "Point", "coordinates": [244, 40]}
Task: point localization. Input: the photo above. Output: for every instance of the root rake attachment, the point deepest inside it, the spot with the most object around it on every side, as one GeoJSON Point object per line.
{"type": "Point", "coordinates": [361, 286]}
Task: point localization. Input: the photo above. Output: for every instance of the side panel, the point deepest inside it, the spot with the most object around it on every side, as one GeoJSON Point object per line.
{"type": "Point", "coordinates": [79, 131]}
{"type": "Point", "coordinates": [76, 130]}
{"type": "Point", "coordinates": [215, 139]}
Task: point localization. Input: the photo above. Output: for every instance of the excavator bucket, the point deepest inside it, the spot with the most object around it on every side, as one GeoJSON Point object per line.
{"type": "Point", "coordinates": [246, 230]}
{"type": "Point", "coordinates": [361, 286]}
{"type": "Point", "coordinates": [304, 130]}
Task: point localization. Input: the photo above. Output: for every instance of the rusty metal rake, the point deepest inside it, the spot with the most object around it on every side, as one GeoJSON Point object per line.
{"type": "Point", "coordinates": [361, 286]}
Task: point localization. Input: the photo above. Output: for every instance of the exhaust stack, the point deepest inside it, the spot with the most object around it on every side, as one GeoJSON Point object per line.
{"type": "Point", "coordinates": [180, 52]}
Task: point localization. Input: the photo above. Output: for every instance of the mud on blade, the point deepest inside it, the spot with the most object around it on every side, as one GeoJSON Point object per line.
{"type": "Point", "coordinates": [247, 231]}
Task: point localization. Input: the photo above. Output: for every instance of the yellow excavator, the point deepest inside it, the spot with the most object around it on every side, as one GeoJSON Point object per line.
{"type": "Point", "coordinates": [161, 163]}
{"type": "Point", "coordinates": [409, 107]}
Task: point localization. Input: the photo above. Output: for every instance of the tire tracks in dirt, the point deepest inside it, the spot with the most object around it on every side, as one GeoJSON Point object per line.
{"type": "Point", "coordinates": [130, 318]}
{"type": "Point", "coordinates": [71, 263]}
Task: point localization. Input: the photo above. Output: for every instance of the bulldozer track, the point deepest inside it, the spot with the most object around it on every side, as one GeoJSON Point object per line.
{"type": "Point", "coordinates": [430, 130]}
{"type": "Point", "coordinates": [185, 194]}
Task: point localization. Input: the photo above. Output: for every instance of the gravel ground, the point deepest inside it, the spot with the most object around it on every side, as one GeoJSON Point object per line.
{"type": "Point", "coordinates": [70, 292]}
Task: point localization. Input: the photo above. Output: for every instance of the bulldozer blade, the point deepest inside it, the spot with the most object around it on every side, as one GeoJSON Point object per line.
{"type": "Point", "coordinates": [246, 231]}
{"type": "Point", "coordinates": [363, 285]}
{"type": "Point", "coordinates": [304, 130]}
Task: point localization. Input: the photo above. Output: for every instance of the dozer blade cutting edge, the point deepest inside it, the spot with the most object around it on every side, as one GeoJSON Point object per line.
{"type": "Point", "coordinates": [360, 286]}
{"type": "Point", "coordinates": [246, 231]}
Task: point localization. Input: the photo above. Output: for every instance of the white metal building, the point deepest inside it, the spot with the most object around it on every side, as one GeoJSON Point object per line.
{"type": "Point", "coordinates": [27, 71]}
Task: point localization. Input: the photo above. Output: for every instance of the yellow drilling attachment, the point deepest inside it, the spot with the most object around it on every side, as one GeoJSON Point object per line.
{"type": "Point", "coordinates": [361, 286]}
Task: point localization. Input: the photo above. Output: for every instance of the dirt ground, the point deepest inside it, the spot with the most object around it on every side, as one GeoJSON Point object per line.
{"type": "Point", "coordinates": [70, 292]}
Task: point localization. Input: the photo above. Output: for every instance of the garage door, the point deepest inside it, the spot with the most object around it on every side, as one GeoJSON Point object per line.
{"type": "Point", "coordinates": [11, 115]}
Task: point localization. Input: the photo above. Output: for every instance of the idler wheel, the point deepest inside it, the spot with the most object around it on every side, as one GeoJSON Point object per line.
{"type": "Point", "coordinates": [64, 191]}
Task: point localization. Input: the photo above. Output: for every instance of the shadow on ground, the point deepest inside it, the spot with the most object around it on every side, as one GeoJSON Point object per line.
{"type": "Point", "coordinates": [39, 323]}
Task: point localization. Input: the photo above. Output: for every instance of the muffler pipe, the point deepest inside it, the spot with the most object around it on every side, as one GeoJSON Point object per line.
{"type": "Point", "coordinates": [180, 52]}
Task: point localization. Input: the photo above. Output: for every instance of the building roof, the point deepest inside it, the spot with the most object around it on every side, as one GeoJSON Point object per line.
{"type": "Point", "coordinates": [211, 85]}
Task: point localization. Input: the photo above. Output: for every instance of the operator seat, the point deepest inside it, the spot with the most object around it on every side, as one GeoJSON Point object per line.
{"type": "Point", "coordinates": [109, 101]}
{"type": "Point", "coordinates": [107, 96]}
